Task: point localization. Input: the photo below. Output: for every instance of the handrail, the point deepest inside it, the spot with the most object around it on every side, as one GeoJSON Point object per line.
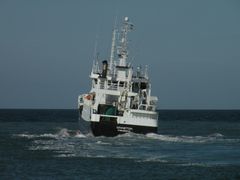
{"type": "Point", "coordinates": [104, 115]}
{"type": "Point", "coordinates": [110, 86]}
{"type": "Point", "coordinates": [147, 107]}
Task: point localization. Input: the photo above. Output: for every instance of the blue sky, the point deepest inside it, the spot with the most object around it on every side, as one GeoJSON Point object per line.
{"type": "Point", "coordinates": [192, 49]}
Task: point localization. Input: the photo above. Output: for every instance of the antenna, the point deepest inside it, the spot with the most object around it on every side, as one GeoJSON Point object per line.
{"type": "Point", "coordinates": [146, 72]}
{"type": "Point", "coordinates": [95, 48]}
{"type": "Point", "coordinates": [95, 56]}
{"type": "Point", "coordinates": [112, 56]}
{"type": "Point", "coordinates": [122, 49]}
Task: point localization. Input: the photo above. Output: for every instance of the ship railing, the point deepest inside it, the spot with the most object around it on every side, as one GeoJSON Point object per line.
{"type": "Point", "coordinates": [112, 86]}
{"type": "Point", "coordinates": [104, 115]}
{"type": "Point", "coordinates": [109, 86]}
{"type": "Point", "coordinates": [146, 107]}
{"type": "Point", "coordinates": [102, 85]}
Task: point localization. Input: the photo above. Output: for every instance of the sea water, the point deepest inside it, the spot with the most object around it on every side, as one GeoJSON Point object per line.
{"type": "Point", "coordinates": [47, 144]}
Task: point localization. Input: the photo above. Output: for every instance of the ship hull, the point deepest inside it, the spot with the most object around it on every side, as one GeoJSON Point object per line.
{"type": "Point", "coordinates": [111, 127]}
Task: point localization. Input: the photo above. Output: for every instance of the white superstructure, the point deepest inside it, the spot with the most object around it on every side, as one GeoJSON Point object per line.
{"type": "Point", "coordinates": [120, 99]}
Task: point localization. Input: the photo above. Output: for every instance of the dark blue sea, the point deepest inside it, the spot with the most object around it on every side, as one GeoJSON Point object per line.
{"type": "Point", "coordinates": [46, 144]}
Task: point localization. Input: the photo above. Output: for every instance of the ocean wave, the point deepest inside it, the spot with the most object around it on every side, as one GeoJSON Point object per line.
{"type": "Point", "coordinates": [153, 159]}
{"type": "Point", "coordinates": [128, 134]}
{"type": "Point", "coordinates": [62, 133]}
{"type": "Point", "coordinates": [216, 135]}
{"type": "Point", "coordinates": [189, 139]}
{"type": "Point", "coordinates": [31, 136]}
{"type": "Point", "coordinates": [103, 143]}
{"type": "Point", "coordinates": [80, 136]}
{"type": "Point", "coordinates": [131, 137]}
{"type": "Point", "coordinates": [65, 155]}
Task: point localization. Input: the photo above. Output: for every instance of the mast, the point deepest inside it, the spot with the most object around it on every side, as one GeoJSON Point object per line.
{"type": "Point", "coordinates": [122, 49]}
{"type": "Point", "coordinates": [112, 51]}
{"type": "Point", "coordinates": [95, 66]}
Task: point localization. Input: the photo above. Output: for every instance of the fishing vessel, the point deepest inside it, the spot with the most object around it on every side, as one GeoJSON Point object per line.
{"type": "Point", "coordinates": [120, 99]}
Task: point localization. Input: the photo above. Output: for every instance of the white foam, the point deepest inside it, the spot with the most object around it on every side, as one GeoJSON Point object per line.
{"type": "Point", "coordinates": [31, 136]}
{"type": "Point", "coordinates": [80, 136]}
{"type": "Point", "coordinates": [63, 133]}
{"type": "Point", "coordinates": [186, 139]}
{"type": "Point", "coordinates": [129, 134]}
{"type": "Point", "coordinates": [195, 164]}
{"type": "Point", "coordinates": [48, 135]}
{"type": "Point", "coordinates": [65, 155]}
{"type": "Point", "coordinates": [153, 159]}
{"type": "Point", "coordinates": [103, 143]}
{"type": "Point", "coordinates": [216, 135]}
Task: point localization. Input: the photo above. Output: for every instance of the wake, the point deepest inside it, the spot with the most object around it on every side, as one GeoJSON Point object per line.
{"type": "Point", "coordinates": [215, 137]}
{"type": "Point", "coordinates": [66, 133]}
{"type": "Point", "coordinates": [62, 133]}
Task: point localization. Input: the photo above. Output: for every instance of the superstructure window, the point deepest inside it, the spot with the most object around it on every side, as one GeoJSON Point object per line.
{"type": "Point", "coordinates": [143, 85]}
{"type": "Point", "coordinates": [121, 83]}
{"type": "Point", "coordinates": [135, 87]}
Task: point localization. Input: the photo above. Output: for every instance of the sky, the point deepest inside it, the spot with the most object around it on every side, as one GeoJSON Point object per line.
{"type": "Point", "coordinates": [192, 49]}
